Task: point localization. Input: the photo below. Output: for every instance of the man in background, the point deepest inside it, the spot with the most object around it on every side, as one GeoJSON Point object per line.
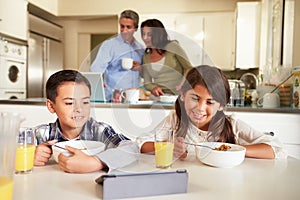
{"type": "Point", "coordinates": [112, 51]}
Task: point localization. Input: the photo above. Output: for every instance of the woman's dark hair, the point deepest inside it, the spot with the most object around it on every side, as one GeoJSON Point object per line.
{"type": "Point", "coordinates": [159, 36]}
{"type": "Point", "coordinates": [220, 128]}
{"type": "Point", "coordinates": [59, 78]}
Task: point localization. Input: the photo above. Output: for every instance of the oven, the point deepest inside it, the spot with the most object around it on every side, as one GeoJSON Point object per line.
{"type": "Point", "coordinates": [13, 70]}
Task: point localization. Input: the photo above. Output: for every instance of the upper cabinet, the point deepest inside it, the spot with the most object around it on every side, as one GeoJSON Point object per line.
{"type": "Point", "coordinates": [248, 35]}
{"type": "Point", "coordinates": [207, 38]}
{"type": "Point", "coordinates": [219, 39]}
{"type": "Point", "coordinates": [13, 18]}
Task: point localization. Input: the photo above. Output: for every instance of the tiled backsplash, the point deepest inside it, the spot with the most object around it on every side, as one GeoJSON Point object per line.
{"type": "Point", "coordinates": [237, 73]}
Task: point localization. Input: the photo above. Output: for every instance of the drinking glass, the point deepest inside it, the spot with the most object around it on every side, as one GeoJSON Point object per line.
{"type": "Point", "coordinates": [9, 127]}
{"type": "Point", "coordinates": [25, 151]}
{"type": "Point", "coordinates": [164, 145]}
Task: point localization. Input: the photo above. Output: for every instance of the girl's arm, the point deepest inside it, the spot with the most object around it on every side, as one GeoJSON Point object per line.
{"type": "Point", "coordinates": [259, 151]}
{"type": "Point", "coordinates": [258, 144]}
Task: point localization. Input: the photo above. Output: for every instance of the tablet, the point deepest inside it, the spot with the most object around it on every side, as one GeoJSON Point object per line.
{"type": "Point", "coordinates": [131, 185]}
{"type": "Point", "coordinates": [97, 88]}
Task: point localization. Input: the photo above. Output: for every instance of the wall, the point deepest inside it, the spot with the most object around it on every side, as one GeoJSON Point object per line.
{"type": "Point", "coordinates": [77, 33]}
{"type": "Point", "coordinates": [102, 7]}
{"type": "Point", "coordinates": [50, 6]}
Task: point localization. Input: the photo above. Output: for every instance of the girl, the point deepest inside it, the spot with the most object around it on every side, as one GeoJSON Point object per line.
{"type": "Point", "coordinates": [199, 116]}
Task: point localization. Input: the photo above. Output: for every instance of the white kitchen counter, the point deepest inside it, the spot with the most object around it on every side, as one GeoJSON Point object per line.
{"type": "Point", "coordinates": [134, 120]}
{"type": "Point", "coordinates": [257, 179]}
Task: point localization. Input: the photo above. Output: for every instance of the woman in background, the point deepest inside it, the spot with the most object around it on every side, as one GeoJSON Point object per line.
{"type": "Point", "coordinates": [164, 62]}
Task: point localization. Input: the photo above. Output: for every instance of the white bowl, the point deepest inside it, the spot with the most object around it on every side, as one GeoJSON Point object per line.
{"type": "Point", "coordinates": [223, 159]}
{"type": "Point", "coordinates": [89, 147]}
{"type": "Point", "coordinates": [168, 98]}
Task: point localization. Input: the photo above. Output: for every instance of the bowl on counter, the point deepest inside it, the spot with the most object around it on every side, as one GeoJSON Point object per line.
{"type": "Point", "coordinates": [233, 156]}
{"type": "Point", "coordinates": [167, 98]}
{"type": "Point", "coordinates": [86, 146]}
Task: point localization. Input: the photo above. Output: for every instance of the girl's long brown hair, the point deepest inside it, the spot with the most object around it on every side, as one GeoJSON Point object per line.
{"type": "Point", "coordinates": [220, 128]}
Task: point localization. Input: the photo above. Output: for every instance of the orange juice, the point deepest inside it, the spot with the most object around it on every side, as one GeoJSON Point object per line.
{"type": "Point", "coordinates": [164, 154]}
{"type": "Point", "coordinates": [24, 158]}
{"type": "Point", "coordinates": [6, 188]}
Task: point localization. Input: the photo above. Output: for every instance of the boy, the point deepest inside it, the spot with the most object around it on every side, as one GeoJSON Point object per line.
{"type": "Point", "coordinates": [68, 96]}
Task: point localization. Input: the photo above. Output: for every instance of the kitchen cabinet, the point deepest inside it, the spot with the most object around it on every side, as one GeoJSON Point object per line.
{"type": "Point", "coordinates": [207, 38]}
{"type": "Point", "coordinates": [189, 29]}
{"type": "Point", "coordinates": [219, 40]}
{"type": "Point", "coordinates": [248, 35]}
{"type": "Point", "coordinates": [13, 18]}
{"type": "Point", "coordinates": [284, 125]}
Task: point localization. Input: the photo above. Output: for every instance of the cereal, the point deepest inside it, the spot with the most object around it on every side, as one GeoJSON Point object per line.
{"type": "Point", "coordinates": [223, 147]}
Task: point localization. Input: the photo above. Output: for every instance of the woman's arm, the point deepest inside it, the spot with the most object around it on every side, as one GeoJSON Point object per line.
{"type": "Point", "coordinates": [181, 56]}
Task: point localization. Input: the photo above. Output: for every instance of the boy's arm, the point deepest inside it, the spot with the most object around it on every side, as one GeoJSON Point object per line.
{"type": "Point", "coordinates": [43, 153]}
{"type": "Point", "coordinates": [79, 162]}
{"type": "Point", "coordinates": [112, 158]}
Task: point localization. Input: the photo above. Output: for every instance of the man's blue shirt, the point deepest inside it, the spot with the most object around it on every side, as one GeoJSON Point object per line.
{"type": "Point", "coordinates": [108, 61]}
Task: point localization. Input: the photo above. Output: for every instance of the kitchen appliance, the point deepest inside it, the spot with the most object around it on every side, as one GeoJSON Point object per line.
{"type": "Point", "coordinates": [45, 54]}
{"type": "Point", "coordinates": [13, 69]}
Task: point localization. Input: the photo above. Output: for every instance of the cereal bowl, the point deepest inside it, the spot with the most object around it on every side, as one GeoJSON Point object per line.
{"type": "Point", "coordinates": [88, 147]}
{"type": "Point", "coordinates": [167, 98]}
{"type": "Point", "coordinates": [223, 158]}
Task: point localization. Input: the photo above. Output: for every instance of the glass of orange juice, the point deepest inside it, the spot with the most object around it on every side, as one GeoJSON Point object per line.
{"type": "Point", "coordinates": [25, 151]}
{"type": "Point", "coordinates": [164, 145]}
{"type": "Point", "coordinates": [9, 128]}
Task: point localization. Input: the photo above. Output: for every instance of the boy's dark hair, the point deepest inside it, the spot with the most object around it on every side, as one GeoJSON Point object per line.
{"type": "Point", "coordinates": [59, 78]}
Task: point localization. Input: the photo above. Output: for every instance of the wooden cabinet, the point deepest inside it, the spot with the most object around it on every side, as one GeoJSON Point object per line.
{"type": "Point", "coordinates": [13, 18]}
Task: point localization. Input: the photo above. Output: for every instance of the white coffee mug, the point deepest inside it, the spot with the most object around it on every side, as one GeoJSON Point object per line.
{"type": "Point", "coordinates": [127, 63]}
{"type": "Point", "coordinates": [131, 95]}
{"type": "Point", "coordinates": [269, 100]}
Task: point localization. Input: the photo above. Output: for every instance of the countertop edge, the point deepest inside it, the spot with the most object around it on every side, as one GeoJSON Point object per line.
{"type": "Point", "coordinates": [41, 102]}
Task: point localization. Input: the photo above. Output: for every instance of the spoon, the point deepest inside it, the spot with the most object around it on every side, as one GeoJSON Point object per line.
{"type": "Point", "coordinates": [282, 82]}
{"type": "Point", "coordinates": [66, 149]}
{"type": "Point", "coordinates": [199, 145]}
